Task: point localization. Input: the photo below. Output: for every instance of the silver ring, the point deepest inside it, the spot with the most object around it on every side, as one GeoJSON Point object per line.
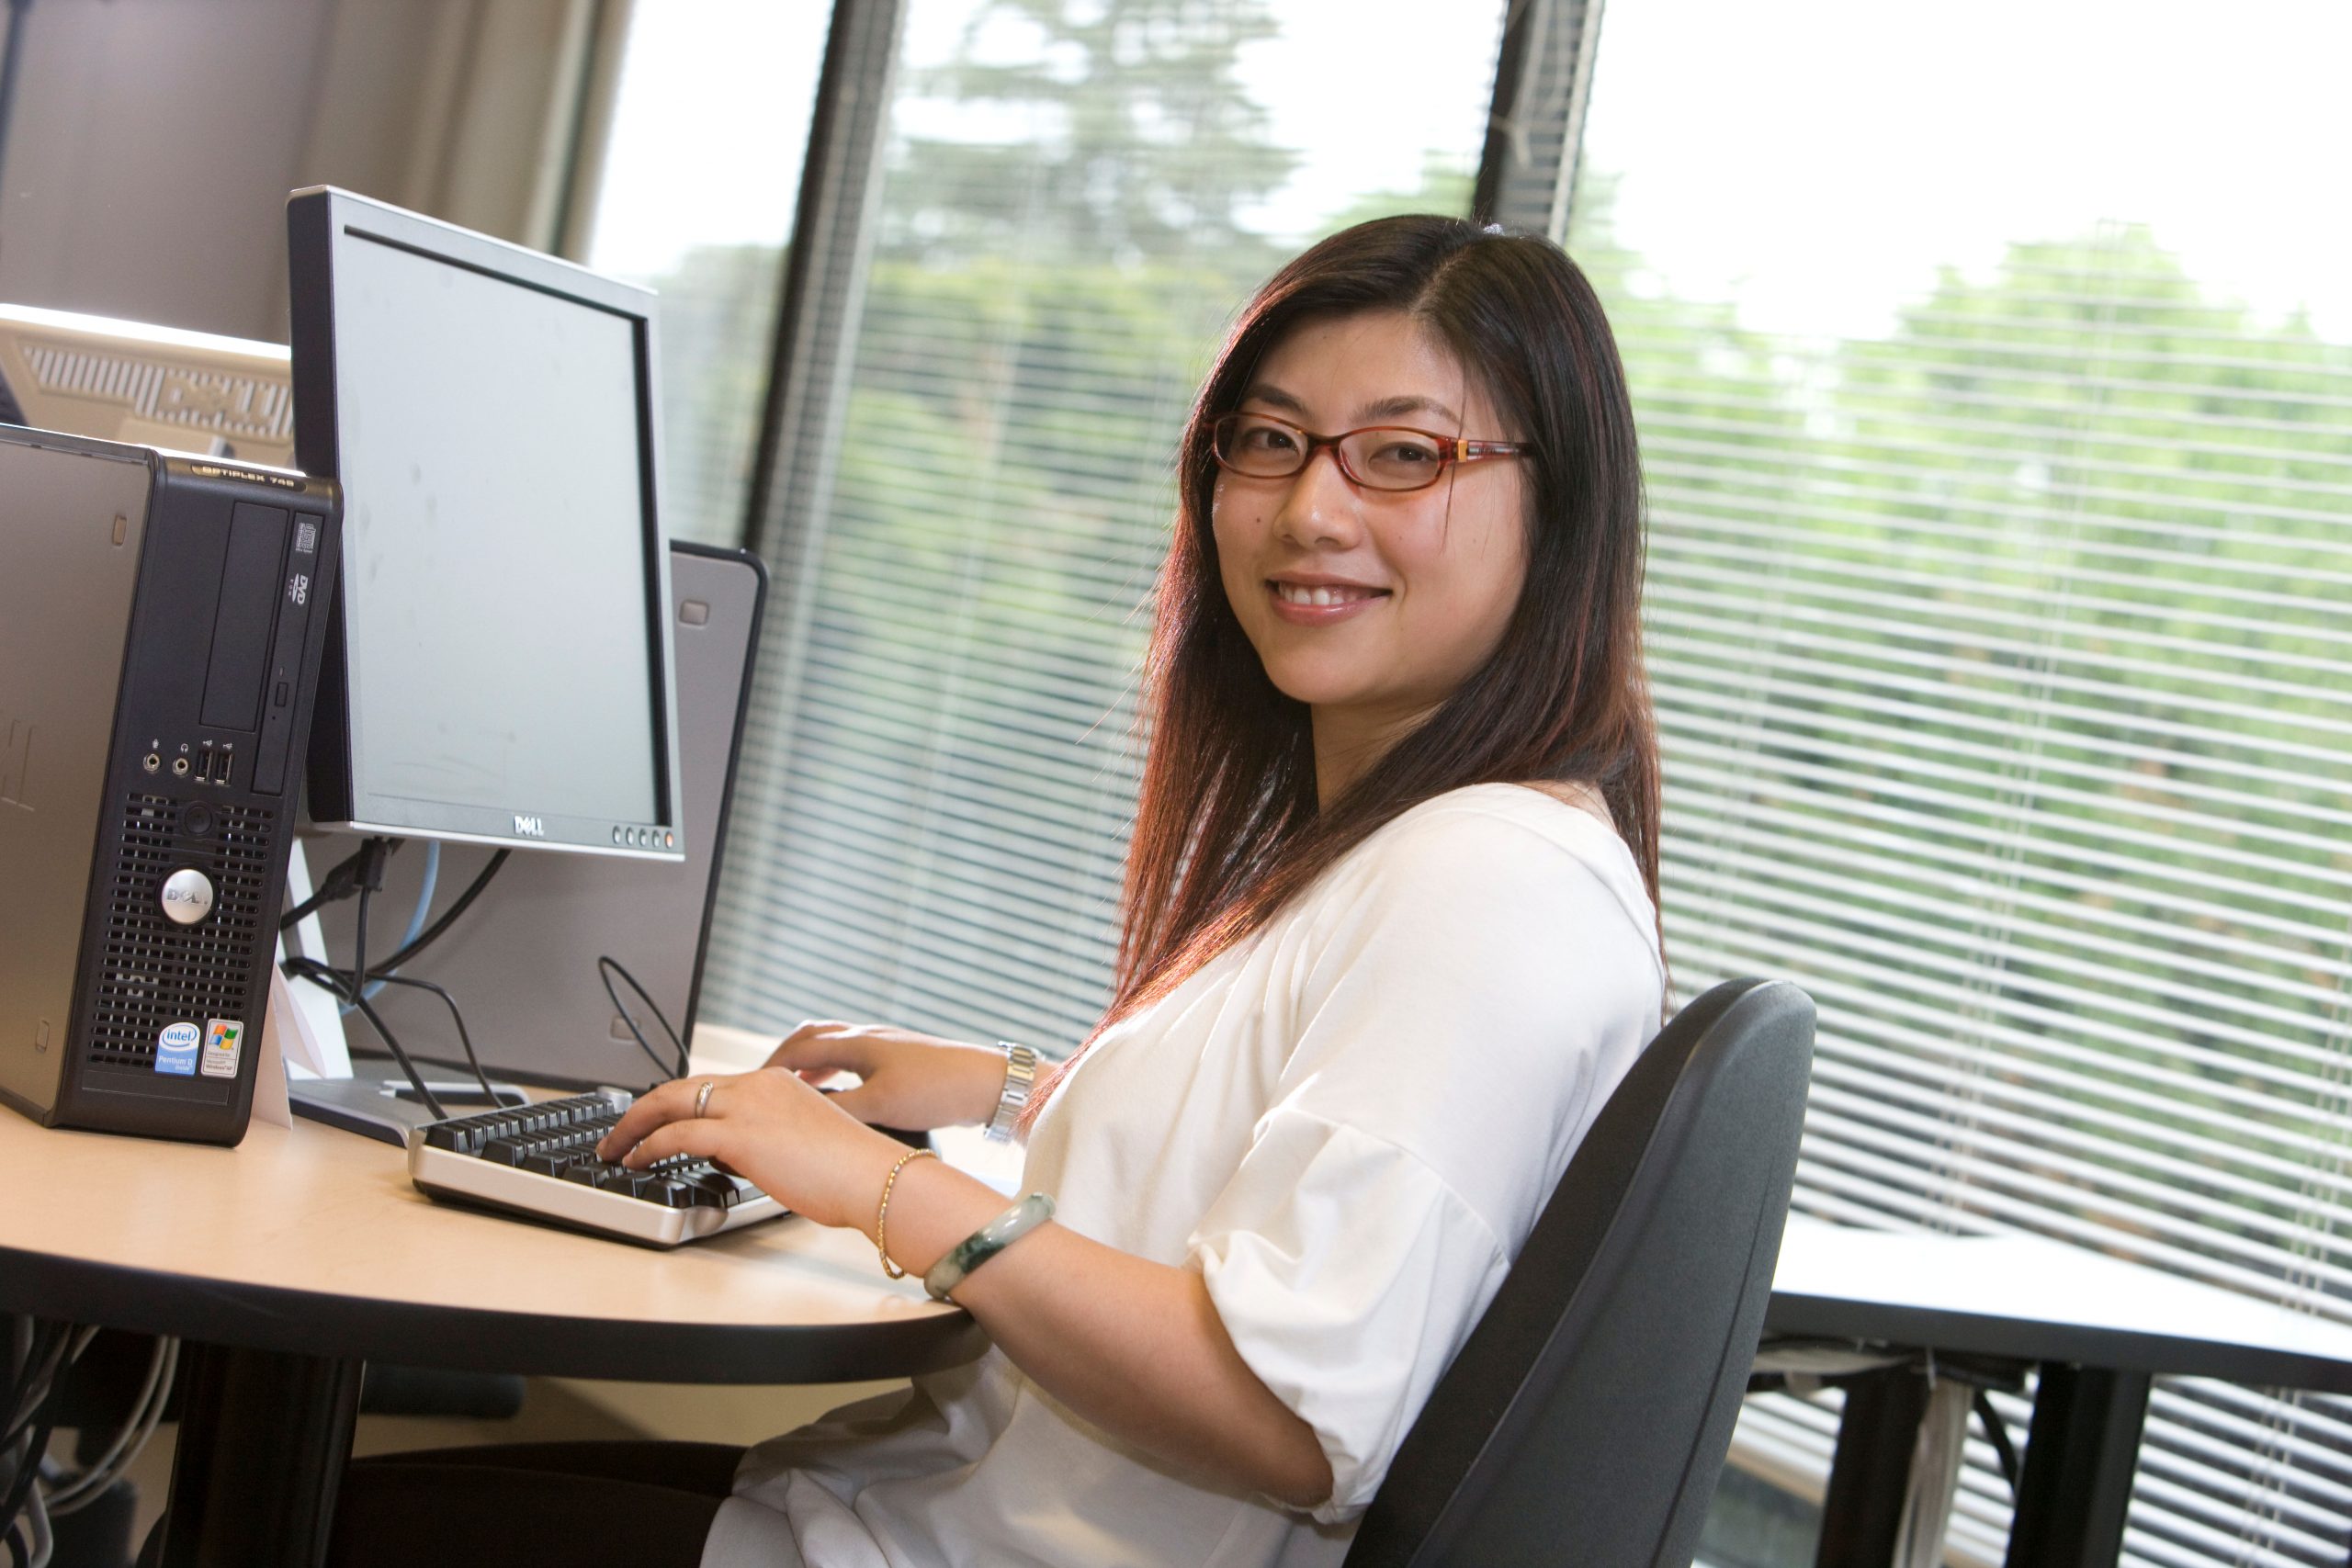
{"type": "Point", "coordinates": [702, 1098]}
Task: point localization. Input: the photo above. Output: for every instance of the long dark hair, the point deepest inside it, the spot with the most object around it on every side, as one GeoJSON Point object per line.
{"type": "Point", "coordinates": [1226, 826]}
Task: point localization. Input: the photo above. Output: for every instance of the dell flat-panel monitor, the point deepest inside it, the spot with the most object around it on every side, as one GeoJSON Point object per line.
{"type": "Point", "coordinates": [500, 668]}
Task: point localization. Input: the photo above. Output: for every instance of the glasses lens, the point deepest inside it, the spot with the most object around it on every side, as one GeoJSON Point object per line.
{"type": "Point", "coordinates": [1254, 444]}
{"type": "Point", "coordinates": [1394, 459]}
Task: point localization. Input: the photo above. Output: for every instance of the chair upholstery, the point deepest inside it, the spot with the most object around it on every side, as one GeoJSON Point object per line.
{"type": "Point", "coordinates": [1585, 1420]}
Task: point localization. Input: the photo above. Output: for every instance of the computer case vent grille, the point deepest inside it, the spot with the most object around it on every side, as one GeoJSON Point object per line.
{"type": "Point", "coordinates": [157, 973]}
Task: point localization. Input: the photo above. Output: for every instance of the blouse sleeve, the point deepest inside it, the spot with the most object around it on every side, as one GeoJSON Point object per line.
{"type": "Point", "coordinates": [1460, 1009]}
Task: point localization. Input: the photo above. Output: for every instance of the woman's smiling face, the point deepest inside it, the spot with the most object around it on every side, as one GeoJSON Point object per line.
{"type": "Point", "coordinates": [1370, 607]}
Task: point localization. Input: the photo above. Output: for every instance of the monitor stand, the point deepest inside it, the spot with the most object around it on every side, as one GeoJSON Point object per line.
{"type": "Point", "coordinates": [387, 1108]}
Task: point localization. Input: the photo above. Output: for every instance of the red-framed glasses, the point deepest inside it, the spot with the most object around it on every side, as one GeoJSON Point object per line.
{"type": "Point", "coordinates": [1378, 456]}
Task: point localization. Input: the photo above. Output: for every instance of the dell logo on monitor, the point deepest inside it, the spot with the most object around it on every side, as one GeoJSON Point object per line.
{"type": "Point", "coordinates": [530, 826]}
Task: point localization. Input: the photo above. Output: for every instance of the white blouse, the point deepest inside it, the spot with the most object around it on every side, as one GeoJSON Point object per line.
{"type": "Point", "coordinates": [1348, 1123]}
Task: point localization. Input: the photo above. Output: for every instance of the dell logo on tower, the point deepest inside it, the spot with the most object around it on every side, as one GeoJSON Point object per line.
{"type": "Point", "coordinates": [531, 827]}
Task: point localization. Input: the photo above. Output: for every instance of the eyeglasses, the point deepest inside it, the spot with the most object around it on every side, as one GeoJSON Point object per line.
{"type": "Point", "coordinates": [1378, 456]}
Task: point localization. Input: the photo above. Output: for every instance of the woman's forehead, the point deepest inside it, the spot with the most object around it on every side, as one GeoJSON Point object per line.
{"type": "Point", "coordinates": [1364, 368]}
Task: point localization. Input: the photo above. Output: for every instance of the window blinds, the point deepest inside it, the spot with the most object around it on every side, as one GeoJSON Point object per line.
{"type": "Point", "coordinates": [1070, 202]}
{"type": "Point", "coordinates": [2001, 664]}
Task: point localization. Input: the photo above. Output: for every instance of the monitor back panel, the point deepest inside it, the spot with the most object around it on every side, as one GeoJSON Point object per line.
{"type": "Point", "coordinates": [522, 960]}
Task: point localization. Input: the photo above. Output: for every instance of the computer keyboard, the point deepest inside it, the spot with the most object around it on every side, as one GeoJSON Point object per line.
{"type": "Point", "coordinates": [540, 1161]}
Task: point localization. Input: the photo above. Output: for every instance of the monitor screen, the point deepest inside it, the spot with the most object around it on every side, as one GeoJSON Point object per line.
{"type": "Point", "coordinates": [503, 661]}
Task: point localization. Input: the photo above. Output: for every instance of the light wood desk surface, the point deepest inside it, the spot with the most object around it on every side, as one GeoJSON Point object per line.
{"type": "Point", "coordinates": [314, 1241]}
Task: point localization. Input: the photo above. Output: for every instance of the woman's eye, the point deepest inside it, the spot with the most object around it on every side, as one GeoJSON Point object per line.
{"type": "Point", "coordinates": [1404, 454]}
{"type": "Point", "coordinates": [1267, 438]}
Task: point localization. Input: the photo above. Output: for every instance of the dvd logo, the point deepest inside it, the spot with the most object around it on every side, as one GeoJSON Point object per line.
{"type": "Point", "coordinates": [530, 826]}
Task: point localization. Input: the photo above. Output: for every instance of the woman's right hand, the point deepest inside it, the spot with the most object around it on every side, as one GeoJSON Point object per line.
{"type": "Point", "coordinates": [913, 1082]}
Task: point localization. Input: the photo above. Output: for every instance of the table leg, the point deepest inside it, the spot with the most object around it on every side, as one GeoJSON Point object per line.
{"type": "Point", "coordinates": [2079, 1460]}
{"type": "Point", "coordinates": [1872, 1471]}
{"type": "Point", "coordinates": [262, 1441]}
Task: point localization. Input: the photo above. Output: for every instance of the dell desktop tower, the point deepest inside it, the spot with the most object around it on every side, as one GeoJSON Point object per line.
{"type": "Point", "coordinates": [161, 623]}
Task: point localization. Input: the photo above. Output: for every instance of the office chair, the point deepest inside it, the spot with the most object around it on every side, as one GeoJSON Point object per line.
{"type": "Point", "coordinates": [1585, 1420]}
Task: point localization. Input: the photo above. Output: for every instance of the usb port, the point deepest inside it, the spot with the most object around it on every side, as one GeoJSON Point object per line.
{"type": "Point", "coordinates": [228, 767]}
{"type": "Point", "coordinates": [204, 765]}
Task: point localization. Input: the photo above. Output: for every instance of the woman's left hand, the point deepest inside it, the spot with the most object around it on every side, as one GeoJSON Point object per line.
{"type": "Point", "coordinates": [770, 1127]}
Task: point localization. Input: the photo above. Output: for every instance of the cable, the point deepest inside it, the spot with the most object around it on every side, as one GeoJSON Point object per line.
{"type": "Point", "coordinates": [606, 967]}
{"type": "Point", "coordinates": [456, 1017]}
{"type": "Point", "coordinates": [36, 1445]}
{"type": "Point", "coordinates": [416, 917]}
{"type": "Point", "coordinates": [338, 885]}
{"type": "Point", "coordinates": [32, 1417]}
{"type": "Point", "coordinates": [76, 1493]}
{"type": "Point", "coordinates": [432, 932]}
{"type": "Point", "coordinates": [1997, 1432]}
{"type": "Point", "coordinates": [340, 983]}
{"type": "Point", "coordinates": [368, 886]}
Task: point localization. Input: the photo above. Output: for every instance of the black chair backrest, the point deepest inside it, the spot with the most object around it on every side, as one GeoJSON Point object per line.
{"type": "Point", "coordinates": [1585, 1420]}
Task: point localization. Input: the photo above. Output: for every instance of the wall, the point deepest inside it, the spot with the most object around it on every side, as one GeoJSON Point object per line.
{"type": "Point", "coordinates": [151, 142]}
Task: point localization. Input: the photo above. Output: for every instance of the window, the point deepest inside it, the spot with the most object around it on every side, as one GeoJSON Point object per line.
{"type": "Point", "coordinates": [1998, 418]}
{"type": "Point", "coordinates": [1073, 197]}
{"type": "Point", "coordinates": [700, 177]}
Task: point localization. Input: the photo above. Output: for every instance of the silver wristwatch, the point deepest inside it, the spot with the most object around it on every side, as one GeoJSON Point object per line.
{"type": "Point", "coordinates": [1020, 1072]}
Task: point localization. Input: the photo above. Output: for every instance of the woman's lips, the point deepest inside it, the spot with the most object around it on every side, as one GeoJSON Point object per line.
{"type": "Point", "coordinates": [1320, 604]}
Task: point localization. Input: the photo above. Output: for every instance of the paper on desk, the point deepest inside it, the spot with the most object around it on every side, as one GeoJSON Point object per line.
{"type": "Point", "coordinates": [269, 1073]}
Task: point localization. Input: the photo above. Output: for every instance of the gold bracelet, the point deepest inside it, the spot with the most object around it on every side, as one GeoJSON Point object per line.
{"type": "Point", "coordinates": [882, 1215]}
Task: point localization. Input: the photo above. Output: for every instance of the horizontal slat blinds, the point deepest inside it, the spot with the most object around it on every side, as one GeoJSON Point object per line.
{"type": "Point", "coordinates": [1073, 198]}
{"type": "Point", "coordinates": [2001, 660]}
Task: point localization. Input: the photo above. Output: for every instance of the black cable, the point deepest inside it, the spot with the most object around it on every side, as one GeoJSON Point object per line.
{"type": "Point", "coordinates": [339, 883]}
{"type": "Point", "coordinates": [432, 932]}
{"type": "Point", "coordinates": [42, 1362]}
{"type": "Point", "coordinates": [338, 982]}
{"type": "Point", "coordinates": [456, 1017]}
{"type": "Point", "coordinates": [415, 1078]}
{"type": "Point", "coordinates": [359, 947]}
{"type": "Point", "coordinates": [45, 1361]}
{"type": "Point", "coordinates": [21, 1488]}
{"type": "Point", "coordinates": [606, 967]}
{"type": "Point", "coordinates": [1997, 1431]}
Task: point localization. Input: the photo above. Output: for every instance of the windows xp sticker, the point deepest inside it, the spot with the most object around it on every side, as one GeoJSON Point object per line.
{"type": "Point", "coordinates": [176, 1050]}
{"type": "Point", "coordinates": [223, 1036]}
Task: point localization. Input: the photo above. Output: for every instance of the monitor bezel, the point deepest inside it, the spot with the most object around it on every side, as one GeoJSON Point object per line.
{"type": "Point", "coordinates": [322, 221]}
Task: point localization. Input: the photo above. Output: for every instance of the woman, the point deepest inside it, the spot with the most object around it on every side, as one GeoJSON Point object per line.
{"type": "Point", "coordinates": [1389, 942]}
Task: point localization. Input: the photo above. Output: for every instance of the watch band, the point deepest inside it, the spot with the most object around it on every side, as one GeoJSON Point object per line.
{"type": "Point", "coordinates": [1020, 1072]}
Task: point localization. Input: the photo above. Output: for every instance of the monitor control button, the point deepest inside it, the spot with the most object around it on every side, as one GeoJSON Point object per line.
{"type": "Point", "coordinates": [187, 895]}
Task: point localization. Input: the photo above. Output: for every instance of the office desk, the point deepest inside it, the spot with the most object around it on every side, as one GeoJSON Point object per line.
{"type": "Point", "coordinates": [292, 1258]}
{"type": "Point", "coordinates": [2096, 1329]}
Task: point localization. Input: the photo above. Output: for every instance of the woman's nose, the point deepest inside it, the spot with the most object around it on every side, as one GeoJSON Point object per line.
{"type": "Point", "coordinates": [1322, 506]}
